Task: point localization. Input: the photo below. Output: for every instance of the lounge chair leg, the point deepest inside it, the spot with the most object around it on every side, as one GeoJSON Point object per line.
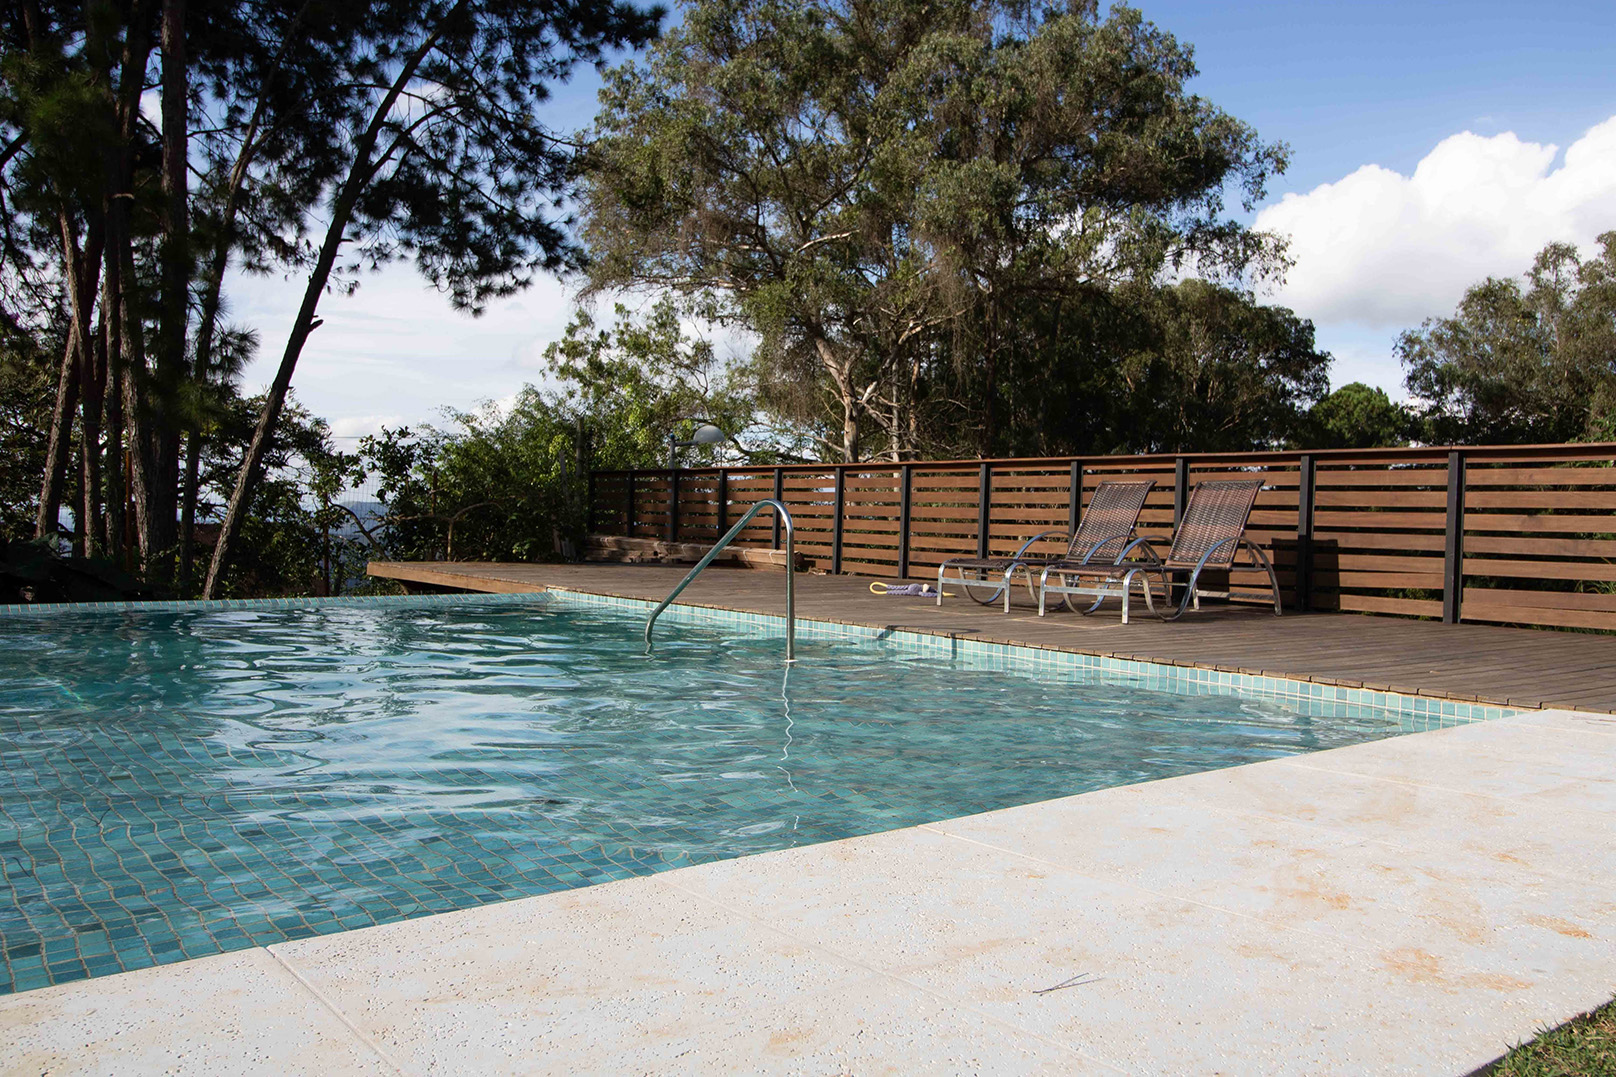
{"type": "Point", "coordinates": [1009, 574]}
{"type": "Point", "coordinates": [1268, 566]}
{"type": "Point", "coordinates": [940, 570]}
{"type": "Point", "coordinates": [1184, 603]}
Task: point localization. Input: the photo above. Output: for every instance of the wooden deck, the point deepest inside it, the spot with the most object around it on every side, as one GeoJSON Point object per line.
{"type": "Point", "coordinates": [1514, 666]}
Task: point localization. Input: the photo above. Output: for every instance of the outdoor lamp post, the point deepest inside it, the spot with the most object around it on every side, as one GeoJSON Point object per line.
{"type": "Point", "coordinates": [706, 434]}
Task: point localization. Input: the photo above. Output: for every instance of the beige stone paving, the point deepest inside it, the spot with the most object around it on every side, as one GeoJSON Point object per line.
{"type": "Point", "coordinates": [1412, 905]}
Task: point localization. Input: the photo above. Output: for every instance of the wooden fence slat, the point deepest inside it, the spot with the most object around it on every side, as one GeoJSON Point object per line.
{"type": "Point", "coordinates": [1355, 530]}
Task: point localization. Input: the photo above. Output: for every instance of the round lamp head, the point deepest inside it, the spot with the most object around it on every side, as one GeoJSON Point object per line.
{"type": "Point", "coordinates": [707, 434]}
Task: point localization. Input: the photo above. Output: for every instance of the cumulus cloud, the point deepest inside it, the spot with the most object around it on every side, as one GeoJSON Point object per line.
{"type": "Point", "coordinates": [353, 427]}
{"type": "Point", "coordinates": [395, 351]}
{"type": "Point", "coordinates": [1378, 249]}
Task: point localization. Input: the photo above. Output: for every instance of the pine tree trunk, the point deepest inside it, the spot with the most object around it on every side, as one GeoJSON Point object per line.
{"type": "Point", "coordinates": [169, 362]}
{"type": "Point", "coordinates": [144, 406]}
{"type": "Point", "coordinates": [360, 174]}
{"type": "Point", "coordinates": [93, 373]}
{"type": "Point", "coordinates": [48, 520]}
{"type": "Point", "coordinates": [84, 274]}
{"type": "Point", "coordinates": [248, 476]}
{"type": "Point", "coordinates": [188, 498]}
{"type": "Point", "coordinates": [138, 407]}
{"type": "Point", "coordinates": [117, 516]}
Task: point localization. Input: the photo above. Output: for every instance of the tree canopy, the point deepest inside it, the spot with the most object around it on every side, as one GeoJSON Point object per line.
{"type": "Point", "coordinates": [314, 137]}
{"type": "Point", "coordinates": [881, 190]}
{"type": "Point", "coordinates": [1358, 416]}
{"type": "Point", "coordinates": [1517, 365]}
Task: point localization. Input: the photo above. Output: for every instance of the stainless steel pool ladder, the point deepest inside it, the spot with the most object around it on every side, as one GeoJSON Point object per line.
{"type": "Point", "coordinates": [784, 515]}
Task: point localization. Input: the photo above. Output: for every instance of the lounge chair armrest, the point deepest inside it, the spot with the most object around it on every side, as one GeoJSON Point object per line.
{"type": "Point", "coordinates": [1028, 544]}
{"type": "Point", "coordinates": [1089, 553]}
{"type": "Point", "coordinates": [1214, 548]}
{"type": "Point", "coordinates": [1140, 543]}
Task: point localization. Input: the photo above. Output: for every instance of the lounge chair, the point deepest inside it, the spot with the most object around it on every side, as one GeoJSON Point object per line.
{"type": "Point", "coordinates": [1211, 535]}
{"type": "Point", "coordinates": [1106, 530]}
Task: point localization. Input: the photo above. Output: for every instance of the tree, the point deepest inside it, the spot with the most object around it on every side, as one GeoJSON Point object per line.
{"type": "Point", "coordinates": [447, 161]}
{"type": "Point", "coordinates": [27, 389]}
{"type": "Point", "coordinates": [314, 135]}
{"type": "Point", "coordinates": [876, 187]}
{"type": "Point", "coordinates": [98, 212]}
{"type": "Point", "coordinates": [1219, 372]}
{"type": "Point", "coordinates": [508, 483]}
{"type": "Point", "coordinates": [1514, 365]}
{"type": "Point", "coordinates": [1357, 416]}
{"type": "Point", "coordinates": [637, 383]}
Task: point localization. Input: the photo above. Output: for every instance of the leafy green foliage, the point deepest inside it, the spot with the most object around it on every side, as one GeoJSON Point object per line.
{"type": "Point", "coordinates": [27, 390]}
{"type": "Point", "coordinates": [1516, 365]}
{"type": "Point", "coordinates": [883, 190]}
{"type": "Point", "coordinates": [295, 542]}
{"type": "Point", "coordinates": [1357, 416]}
{"type": "Point", "coordinates": [508, 483]}
{"type": "Point", "coordinates": [1216, 372]}
{"type": "Point", "coordinates": [640, 382]}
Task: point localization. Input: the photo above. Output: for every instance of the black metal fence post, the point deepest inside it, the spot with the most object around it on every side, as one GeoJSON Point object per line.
{"type": "Point", "coordinates": [780, 496]}
{"type": "Point", "coordinates": [673, 505]}
{"type": "Point", "coordinates": [589, 503]}
{"type": "Point", "coordinates": [1181, 489]}
{"type": "Point", "coordinates": [723, 502]}
{"type": "Point", "coordinates": [1074, 506]}
{"type": "Point", "coordinates": [1304, 533]}
{"type": "Point", "coordinates": [836, 522]}
{"type": "Point", "coordinates": [905, 497]}
{"type": "Point", "coordinates": [984, 499]}
{"type": "Point", "coordinates": [1453, 546]}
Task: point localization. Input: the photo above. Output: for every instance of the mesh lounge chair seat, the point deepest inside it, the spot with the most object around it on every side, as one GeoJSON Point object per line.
{"type": "Point", "coordinates": [1105, 532]}
{"type": "Point", "coordinates": [1211, 535]}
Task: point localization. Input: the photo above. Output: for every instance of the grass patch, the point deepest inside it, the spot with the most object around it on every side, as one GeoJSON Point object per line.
{"type": "Point", "coordinates": [1582, 1047]}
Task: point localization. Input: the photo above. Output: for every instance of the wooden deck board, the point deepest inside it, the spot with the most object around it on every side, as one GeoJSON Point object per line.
{"type": "Point", "coordinates": [1517, 666]}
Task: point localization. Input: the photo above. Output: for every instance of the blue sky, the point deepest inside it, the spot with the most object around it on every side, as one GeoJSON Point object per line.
{"type": "Point", "coordinates": [1392, 207]}
{"type": "Point", "coordinates": [1348, 84]}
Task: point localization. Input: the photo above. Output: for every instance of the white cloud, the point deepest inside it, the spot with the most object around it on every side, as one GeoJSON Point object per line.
{"type": "Point", "coordinates": [395, 352]}
{"type": "Point", "coordinates": [350, 427]}
{"type": "Point", "coordinates": [1377, 249]}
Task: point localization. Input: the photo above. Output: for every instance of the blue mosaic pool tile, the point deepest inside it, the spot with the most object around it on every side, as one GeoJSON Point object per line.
{"type": "Point", "coordinates": [1420, 713]}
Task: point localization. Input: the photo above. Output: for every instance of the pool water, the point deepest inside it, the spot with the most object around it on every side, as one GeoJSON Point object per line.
{"type": "Point", "coordinates": [181, 784]}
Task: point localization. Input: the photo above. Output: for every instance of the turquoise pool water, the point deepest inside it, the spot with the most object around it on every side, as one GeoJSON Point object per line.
{"type": "Point", "coordinates": [187, 783]}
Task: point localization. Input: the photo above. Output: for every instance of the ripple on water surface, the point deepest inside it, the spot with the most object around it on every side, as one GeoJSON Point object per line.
{"type": "Point", "coordinates": [189, 783]}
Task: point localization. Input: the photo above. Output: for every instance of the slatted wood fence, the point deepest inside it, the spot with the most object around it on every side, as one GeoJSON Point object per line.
{"type": "Point", "coordinates": [1502, 534]}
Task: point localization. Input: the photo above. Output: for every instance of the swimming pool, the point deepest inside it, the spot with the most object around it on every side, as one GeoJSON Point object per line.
{"type": "Point", "coordinates": [189, 782]}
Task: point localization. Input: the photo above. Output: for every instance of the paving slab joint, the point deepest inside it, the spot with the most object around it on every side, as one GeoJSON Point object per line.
{"type": "Point", "coordinates": [336, 1011]}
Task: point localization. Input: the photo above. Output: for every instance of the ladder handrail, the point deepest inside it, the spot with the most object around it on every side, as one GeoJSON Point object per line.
{"type": "Point", "coordinates": [784, 515]}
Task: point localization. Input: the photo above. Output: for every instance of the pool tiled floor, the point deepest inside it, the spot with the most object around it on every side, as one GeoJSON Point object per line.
{"type": "Point", "coordinates": [1413, 905]}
